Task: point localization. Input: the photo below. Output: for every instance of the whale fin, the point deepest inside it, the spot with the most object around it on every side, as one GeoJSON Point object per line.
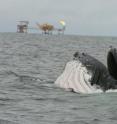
{"type": "Point", "coordinates": [112, 62]}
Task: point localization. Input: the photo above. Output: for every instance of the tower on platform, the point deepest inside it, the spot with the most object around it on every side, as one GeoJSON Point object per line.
{"type": "Point", "coordinates": [22, 26]}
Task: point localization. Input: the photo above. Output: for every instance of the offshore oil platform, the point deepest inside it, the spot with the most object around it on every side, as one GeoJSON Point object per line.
{"type": "Point", "coordinates": [46, 28]}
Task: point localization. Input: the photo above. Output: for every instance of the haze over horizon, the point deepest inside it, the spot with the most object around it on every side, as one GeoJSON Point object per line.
{"type": "Point", "coordinates": [83, 17]}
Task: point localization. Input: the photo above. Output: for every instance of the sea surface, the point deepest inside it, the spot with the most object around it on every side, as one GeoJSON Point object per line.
{"type": "Point", "coordinates": [29, 66]}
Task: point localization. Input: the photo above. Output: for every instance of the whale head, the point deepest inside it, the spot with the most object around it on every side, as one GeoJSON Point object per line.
{"type": "Point", "coordinates": [85, 74]}
{"type": "Point", "coordinates": [97, 70]}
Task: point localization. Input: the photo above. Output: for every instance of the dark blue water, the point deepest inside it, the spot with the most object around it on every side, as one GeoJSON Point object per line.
{"type": "Point", "coordinates": [29, 66]}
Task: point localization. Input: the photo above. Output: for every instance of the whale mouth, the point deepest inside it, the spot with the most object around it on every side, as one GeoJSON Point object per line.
{"type": "Point", "coordinates": [112, 62]}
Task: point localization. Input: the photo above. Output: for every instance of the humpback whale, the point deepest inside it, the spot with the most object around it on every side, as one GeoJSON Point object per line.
{"type": "Point", "coordinates": [86, 74]}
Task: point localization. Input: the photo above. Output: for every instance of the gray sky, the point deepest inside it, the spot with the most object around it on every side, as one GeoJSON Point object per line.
{"type": "Point", "coordinates": [83, 17]}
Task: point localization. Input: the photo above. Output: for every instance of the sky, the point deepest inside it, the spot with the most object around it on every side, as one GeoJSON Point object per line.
{"type": "Point", "coordinates": [82, 17]}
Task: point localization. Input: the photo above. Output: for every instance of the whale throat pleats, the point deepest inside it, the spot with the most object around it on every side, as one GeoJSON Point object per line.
{"type": "Point", "coordinates": [75, 77]}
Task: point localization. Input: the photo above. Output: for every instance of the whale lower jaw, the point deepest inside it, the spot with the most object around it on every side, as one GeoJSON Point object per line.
{"type": "Point", "coordinates": [76, 78]}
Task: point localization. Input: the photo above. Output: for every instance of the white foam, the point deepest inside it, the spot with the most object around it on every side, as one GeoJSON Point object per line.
{"type": "Point", "coordinates": [76, 77]}
{"type": "Point", "coordinates": [112, 91]}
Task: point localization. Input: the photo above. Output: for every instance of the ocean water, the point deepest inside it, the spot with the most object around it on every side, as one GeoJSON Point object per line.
{"type": "Point", "coordinates": [29, 66]}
